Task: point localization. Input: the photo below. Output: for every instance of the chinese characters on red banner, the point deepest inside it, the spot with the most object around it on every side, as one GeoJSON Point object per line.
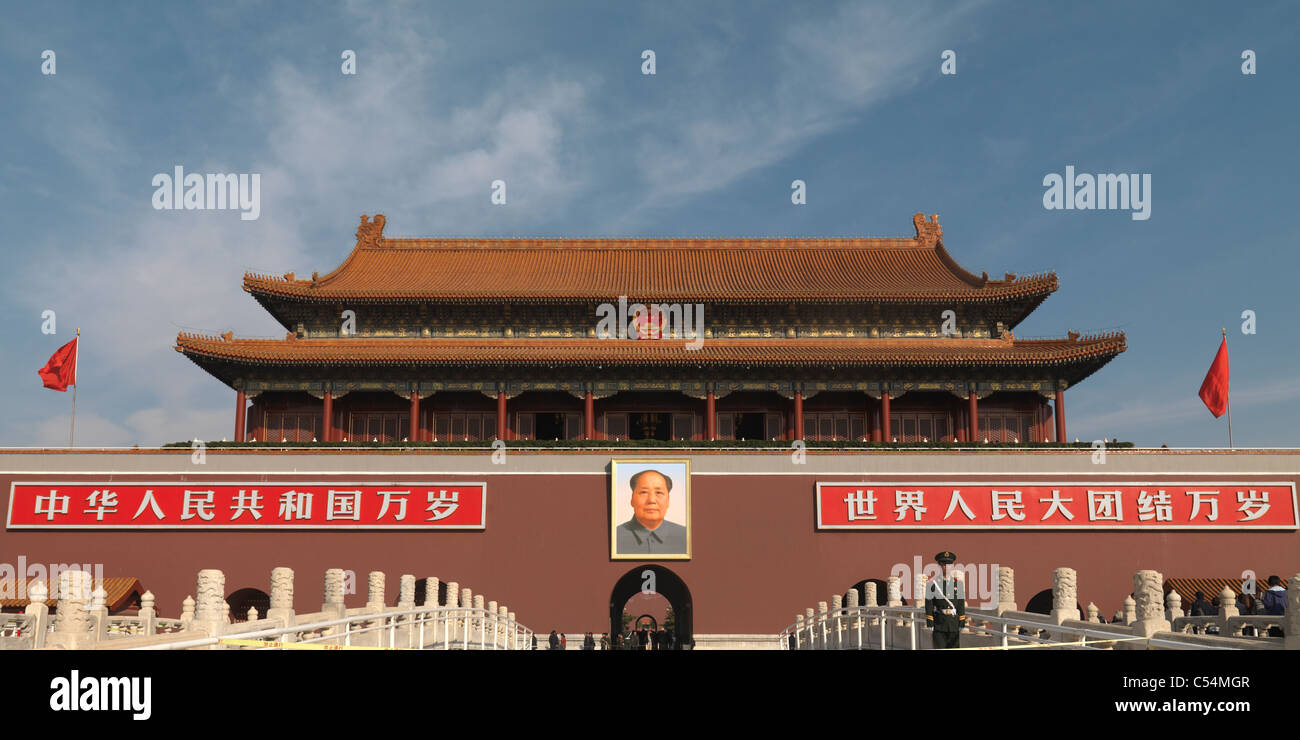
{"type": "Point", "coordinates": [1057, 506]}
{"type": "Point", "coordinates": [251, 505]}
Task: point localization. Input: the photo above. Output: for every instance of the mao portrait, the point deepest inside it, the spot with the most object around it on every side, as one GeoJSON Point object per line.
{"type": "Point", "coordinates": [650, 510]}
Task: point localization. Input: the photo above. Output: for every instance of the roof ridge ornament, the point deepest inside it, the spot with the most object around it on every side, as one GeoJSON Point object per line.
{"type": "Point", "coordinates": [370, 233]}
{"type": "Point", "coordinates": [927, 232]}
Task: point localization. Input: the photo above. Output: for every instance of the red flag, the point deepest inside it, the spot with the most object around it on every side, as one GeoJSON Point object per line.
{"type": "Point", "coordinates": [1214, 391]}
{"type": "Point", "coordinates": [61, 371]}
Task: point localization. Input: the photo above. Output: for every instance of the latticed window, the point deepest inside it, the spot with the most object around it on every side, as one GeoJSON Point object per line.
{"type": "Point", "coordinates": [368, 427]}
{"type": "Point", "coordinates": [292, 427]}
{"type": "Point", "coordinates": [918, 427]}
{"type": "Point", "coordinates": [1000, 426]}
{"type": "Point", "coordinates": [834, 427]}
{"type": "Point", "coordinates": [464, 427]}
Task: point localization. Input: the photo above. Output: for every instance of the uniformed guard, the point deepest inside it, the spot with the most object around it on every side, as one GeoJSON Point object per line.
{"type": "Point", "coordinates": [945, 604]}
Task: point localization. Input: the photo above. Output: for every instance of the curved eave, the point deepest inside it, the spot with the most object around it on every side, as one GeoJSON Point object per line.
{"type": "Point", "coordinates": [1070, 359]}
{"type": "Point", "coordinates": [269, 291]}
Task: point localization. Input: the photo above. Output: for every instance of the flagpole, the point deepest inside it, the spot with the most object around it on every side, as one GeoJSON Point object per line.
{"type": "Point", "coordinates": [1227, 396]}
{"type": "Point", "coordinates": [76, 359]}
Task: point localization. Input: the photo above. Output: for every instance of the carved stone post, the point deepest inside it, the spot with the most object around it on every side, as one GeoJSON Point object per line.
{"type": "Point", "coordinates": [837, 621]}
{"type": "Point", "coordinates": [187, 613]}
{"type": "Point", "coordinates": [479, 620]}
{"type": "Point", "coordinates": [1006, 590]}
{"type": "Point", "coordinates": [431, 593]}
{"type": "Point", "coordinates": [148, 615]}
{"type": "Point", "coordinates": [37, 595]}
{"type": "Point", "coordinates": [1292, 626]}
{"type": "Point", "coordinates": [210, 607]}
{"type": "Point", "coordinates": [1148, 592]}
{"type": "Point", "coordinates": [453, 600]}
{"type": "Point", "coordinates": [1065, 595]}
{"type": "Point", "coordinates": [252, 614]}
{"type": "Point", "coordinates": [1227, 608]}
{"type": "Point", "coordinates": [871, 599]}
{"type": "Point", "coordinates": [281, 595]}
{"type": "Point", "coordinates": [406, 602]}
{"type": "Point", "coordinates": [809, 638]}
{"type": "Point", "coordinates": [1094, 614]}
{"type": "Point", "coordinates": [918, 591]}
{"type": "Point", "coordinates": [72, 619]}
{"type": "Point", "coordinates": [1173, 606]}
{"type": "Point", "coordinates": [99, 613]}
{"type": "Point", "coordinates": [376, 584]}
{"type": "Point", "coordinates": [334, 608]}
{"type": "Point", "coordinates": [855, 622]}
{"type": "Point", "coordinates": [895, 595]}
{"type": "Point", "coordinates": [801, 640]}
{"type": "Point", "coordinates": [1130, 610]}
{"type": "Point", "coordinates": [895, 587]}
{"type": "Point", "coordinates": [406, 592]}
{"type": "Point", "coordinates": [467, 603]}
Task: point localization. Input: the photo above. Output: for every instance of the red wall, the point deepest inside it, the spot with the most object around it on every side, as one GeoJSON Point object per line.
{"type": "Point", "coordinates": [757, 557]}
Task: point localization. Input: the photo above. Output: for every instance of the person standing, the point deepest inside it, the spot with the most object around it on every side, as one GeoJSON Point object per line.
{"type": "Point", "coordinates": [945, 604]}
{"type": "Point", "coordinates": [588, 642]}
{"type": "Point", "coordinates": [555, 640]}
{"type": "Point", "coordinates": [1274, 602]}
{"type": "Point", "coordinates": [1201, 607]}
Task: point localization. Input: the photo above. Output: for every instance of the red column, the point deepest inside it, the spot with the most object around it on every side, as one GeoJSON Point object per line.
{"type": "Point", "coordinates": [973, 417]}
{"type": "Point", "coordinates": [710, 416]}
{"type": "Point", "coordinates": [327, 418]}
{"type": "Point", "coordinates": [798, 414]}
{"type": "Point", "coordinates": [588, 417]}
{"type": "Point", "coordinates": [501, 415]}
{"type": "Point", "coordinates": [240, 402]}
{"type": "Point", "coordinates": [414, 436]}
{"type": "Point", "coordinates": [1060, 414]}
{"type": "Point", "coordinates": [884, 417]}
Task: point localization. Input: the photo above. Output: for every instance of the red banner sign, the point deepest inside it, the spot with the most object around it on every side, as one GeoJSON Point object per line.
{"type": "Point", "coordinates": [874, 505]}
{"type": "Point", "coordinates": [252, 505]}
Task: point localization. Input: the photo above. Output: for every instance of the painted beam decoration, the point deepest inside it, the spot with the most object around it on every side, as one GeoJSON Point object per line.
{"type": "Point", "coordinates": [1085, 506]}
{"type": "Point", "coordinates": [247, 505]}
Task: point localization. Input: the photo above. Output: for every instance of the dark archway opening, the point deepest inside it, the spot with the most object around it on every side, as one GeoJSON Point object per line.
{"type": "Point", "coordinates": [422, 586]}
{"type": "Point", "coordinates": [1041, 603]}
{"type": "Point", "coordinates": [650, 426]}
{"type": "Point", "coordinates": [882, 591]}
{"type": "Point", "coordinates": [668, 585]}
{"type": "Point", "coordinates": [241, 600]}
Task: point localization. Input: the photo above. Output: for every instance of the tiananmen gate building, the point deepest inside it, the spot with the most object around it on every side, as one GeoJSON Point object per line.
{"type": "Point", "coordinates": [814, 339]}
{"type": "Point", "coordinates": [449, 343]}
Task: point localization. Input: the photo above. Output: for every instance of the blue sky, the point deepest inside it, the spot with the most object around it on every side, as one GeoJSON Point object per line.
{"type": "Point", "coordinates": [747, 97]}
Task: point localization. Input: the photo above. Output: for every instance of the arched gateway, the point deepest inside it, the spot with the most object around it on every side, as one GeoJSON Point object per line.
{"type": "Point", "coordinates": [667, 584]}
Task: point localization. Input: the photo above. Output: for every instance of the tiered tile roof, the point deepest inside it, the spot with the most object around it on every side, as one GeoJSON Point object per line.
{"type": "Point", "coordinates": [918, 269]}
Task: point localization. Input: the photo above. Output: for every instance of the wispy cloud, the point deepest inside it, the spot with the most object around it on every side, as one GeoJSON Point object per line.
{"type": "Point", "coordinates": [834, 68]}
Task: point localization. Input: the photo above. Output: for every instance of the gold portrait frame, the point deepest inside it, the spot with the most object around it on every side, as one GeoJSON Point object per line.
{"type": "Point", "coordinates": [615, 491]}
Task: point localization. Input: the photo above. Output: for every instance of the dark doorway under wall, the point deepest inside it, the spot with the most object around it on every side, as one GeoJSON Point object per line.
{"type": "Point", "coordinates": [667, 584]}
